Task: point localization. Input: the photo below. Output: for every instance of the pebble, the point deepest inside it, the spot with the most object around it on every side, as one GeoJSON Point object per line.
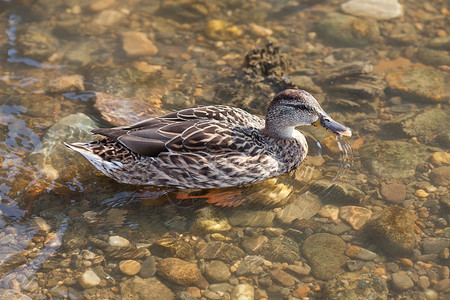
{"type": "Point", "coordinates": [118, 241]}
{"type": "Point", "coordinates": [243, 291]}
{"type": "Point", "coordinates": [431, 294]}
{"type": "Point", "coordinates": [440, 176]}
{"type": "Point", "coordinates": [440, 158]}
{"type": "Point", "coordinates": [394, 192]}
{"type": "Point", "coordinates": [355, 216]}
{"type": "Point", "coordinates": [325, 254]}
{"type": "Point", "coordinates": [67, 83]}
{"type": "Point", "coordinates": [377, 9]}
{"type": "Point", "coordinates": [101, 4]}
{"type": "Point", "coordinates": [434, 245]}
{"type": "Point", "coordinates": [129, 267]}
{"type": "Point", "coordinates": [137, 44]}
{"type": "Point", "coordinates": [217, 271]}
{"type": "Point", "coordinates": [194, 291]}
{"type": "Point", "coordinates": [179, 271]}
{"type": "Point", "coordinates": [89, 279]}
{"type": "Point", "coordinates": [423, 282]}
{"type": "Point", "coordinates": [282, 277]}
{"type": "Point", "coordinates": [329, 211]}
{"type": "Point", "coordinates": [148, 267]}
{"type": "Point", "coordinates": [301, 292]}
{"type": "Point", "coordinates": [360, 253]}
{"type": "Point", "coordinates": [421, 193]}
{"type": "Point", "coordinates": [443, 285]}
{"type": "Point", "coordinates": [259, 30]}
{"type": "Point", "coordinates": [401, 281]}
{"type": "Point", "coordinates": [209, 220]}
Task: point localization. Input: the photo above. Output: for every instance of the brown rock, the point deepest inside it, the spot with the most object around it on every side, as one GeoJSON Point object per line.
{"type": "Point", "coordinates": [179, 271]}
{"type": "Point", "coordinates": [301, 292]}
{"type": "Point", "coordinates": [355, 216]}
{"type": "Point", "coordinates": [282, 277]}
{"type": "Point", "coordinates": [394, 192]}
{"type": "Point", "coordinates": [443, 285]}
{"type": "Point", "coordinates": [129, 267]}
{"type": "Point", "coordinates": [137, 44]}
{"type": "Point", "coordinates": [440, 176]}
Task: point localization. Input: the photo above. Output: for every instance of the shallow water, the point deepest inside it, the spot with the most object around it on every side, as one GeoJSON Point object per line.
{"type": "Point", "coordinates": [69, 67]}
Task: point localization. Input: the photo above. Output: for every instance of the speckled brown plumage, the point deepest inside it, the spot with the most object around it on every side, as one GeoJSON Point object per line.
{"type": "Point", "coordinates": [207, 147]}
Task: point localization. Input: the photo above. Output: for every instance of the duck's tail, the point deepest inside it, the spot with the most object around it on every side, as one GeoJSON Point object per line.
{"type": "Point", "coordinates": [106, 167]}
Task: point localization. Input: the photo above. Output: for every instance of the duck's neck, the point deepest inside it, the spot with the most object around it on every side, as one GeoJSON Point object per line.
{"type": "Point", "coordinates": [278, 131]}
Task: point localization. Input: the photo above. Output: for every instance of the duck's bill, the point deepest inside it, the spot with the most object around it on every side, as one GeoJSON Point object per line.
{"type": "Point", "coordinates": [332, 126]}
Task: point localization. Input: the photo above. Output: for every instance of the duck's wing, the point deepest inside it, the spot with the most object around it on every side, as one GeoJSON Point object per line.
{"type": "Point", "coordinates": [209, 128]}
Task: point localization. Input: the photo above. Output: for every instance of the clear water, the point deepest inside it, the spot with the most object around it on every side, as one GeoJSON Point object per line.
{"type": "Point", "coordinates": [41, 181]}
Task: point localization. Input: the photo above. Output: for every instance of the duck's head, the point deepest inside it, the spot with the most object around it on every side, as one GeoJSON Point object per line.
{"type": "Point", "coordinates": [292, 108]}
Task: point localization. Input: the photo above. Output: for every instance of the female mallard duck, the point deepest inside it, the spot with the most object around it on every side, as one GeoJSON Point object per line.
{"type": "Point", "coordinates": [210, 146]}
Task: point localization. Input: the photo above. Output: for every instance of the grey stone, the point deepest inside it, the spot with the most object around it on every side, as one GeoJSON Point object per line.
{"type": "Point", "coordinates": [137, 288]}
{"type": "Point", "coordinates": [249, 266]}
{"type": "Point", "coordinates": [434, 245]}
{"type": "Point", "coordinates": [303, 207]}
{"type": "Point", "coordinates": [217, 271]}
{"type": "Point", "coordinates": [340, 192]}
{"type": "Point", "coordinates": [392, 159]}
{"type": "Point", "coordinates": [356, 286]}
{"type": "Point", "coordinates": [148, 267]}
{"type": "Point", "coordinates": [440, 176]}
{"type": "Point", "coordinates": [349, 31]}
{"type": "Point", "coordinates": [218, 250]}
{"type": "Point", "coordinates": [433, 57]}
{"type": "Point", "coordinates": [325, 254]}
{"type": "Point", "coordinates": [401, 281]}
{"type": "Point", "coordinates": [281, 249]}
{"type": "Point", "coordinates": [254, 245]}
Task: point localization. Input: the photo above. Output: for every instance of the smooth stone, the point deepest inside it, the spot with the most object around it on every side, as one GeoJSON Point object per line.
{"type": "Point", "coordinates": [420, 124]}
{"type": "Point", "coordinates": [434, 245]}
{"type": "Point", "coordinates": [440, 42]}
{"type": "Point", "coordinates": [243, 291]}
{"type": "Point", "coordinates": [440, 176]}
{"type": "Point", "coordinates": [179, 271]}
{"type": "Point", "coordinates": [348, 31]}
{"type": "Point", "coordinates": [329, 211]}
{"type": "Point", "coordinates": [377, 9]}
{"type": "Point", "coordinates": [338, 192]}
{"type": "Point", "coordinates": [433, 57]}
{"type": "Point", "coordinates": [325, 254]}
{"type": "Point", "coordinates": [303, 207]}
{"type": "Point", "coordinates": [392, 159]}
{"type": "Point", "coordinates": [442, 285]}
{"type": "Point", "coordinates": [401, 281]}
{"type": "Point", "coordinates": [218, 250]}
{"type": "Point", "coordinates": [281, 277]}
{"type": "Point", "coordinates": [259, 30]}
{"type": "Point", "coordinates": [281, 249]}
{"type": "Point", "coordinates": [137, 44]}
{"type": "Point", "coordinates": [89, 279]}
{"type": "Point", "coordinates": [172, 247]}
{"type": "Point", "coordinates": [12, 294]}
{"type": "Point", "coordinates": [42, 224]}
{"type": "Point", "coordinates": [104, 21]}
{"type": "Point", "coordinates": [208, 220]}
{"type": "Point", "coordinates": [420, 84]}
{"type": "Point", "coordinates": [101, 4]}
{"type": "Point", "coordinates": [36, 42]}
{"type": "Point", "coordinates": [220, 287]}
{"type": "Point", "coordinates": [129, 267]}
{"type": "Point", "coordinates": [118, 241]}
{"type": "Point", "coordinates": [148, 267]}
{"type": "Point", "coordinates": [136, 288]}
{"type": "Point", "coordinates": [221, 31]}
{"type": "Point", "coordinates": [216, 271]}
{"type": "Point", "coordinates": [403, 33]}
{"type": "Point", "coordinates": [211, 295]}
{"type": "Point", "coordinates": [394, 192]}
{"type": "Point", "coordinates": [356, 285]}
{"type": "Point", "coordinates": [360, 253]}
{"type": "Point", "coordinates": [300, 269]}
{"type": "Point", "coordinates": [440, 158]}
{"type": "Point", "coordinates": [121, 111]}
{"type": "Point", "coordinates": [64, 84]}
{"type": "Point", "coordinates": [392, 230]}
{"type": "Point", "coordinates": [254, 244]}
{"type": "Point", "coordinates": [249, 266]}
{"type": "Point", "coordinates": [261, 218]}
{"type": "Point", "coordinates": [355, 216]}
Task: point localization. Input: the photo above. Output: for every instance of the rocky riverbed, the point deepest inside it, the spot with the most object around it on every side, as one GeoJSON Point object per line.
{"type": "Point", "coordinates": [363, 218]}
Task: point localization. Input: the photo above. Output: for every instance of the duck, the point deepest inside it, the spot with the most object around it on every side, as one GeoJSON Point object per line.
{"type": "Point", "coordinates": [211, 146]}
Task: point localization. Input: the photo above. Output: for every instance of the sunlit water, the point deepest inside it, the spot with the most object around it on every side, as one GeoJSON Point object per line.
{"type": "Point", "coordinates": [42, 182]}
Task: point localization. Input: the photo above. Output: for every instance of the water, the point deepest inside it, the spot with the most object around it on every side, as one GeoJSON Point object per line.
{"type": "Point", "coordinates": [57, 212]}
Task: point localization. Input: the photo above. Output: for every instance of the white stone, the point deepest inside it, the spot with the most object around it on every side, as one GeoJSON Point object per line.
{"type": "Point", "coordinates": [377, 9]}
{"type": "Point", "coordinates": [43, 225]}
{"type": "Point", "coordinates": [118, 241]}
{"type": "Point", "coordinates": [243, 292]}
{"type": "Point", "coordinates": [89, 279]}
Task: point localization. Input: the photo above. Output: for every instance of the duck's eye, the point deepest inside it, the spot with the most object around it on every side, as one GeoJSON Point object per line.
{"type": "Point", "coordinates": [302, 107]}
